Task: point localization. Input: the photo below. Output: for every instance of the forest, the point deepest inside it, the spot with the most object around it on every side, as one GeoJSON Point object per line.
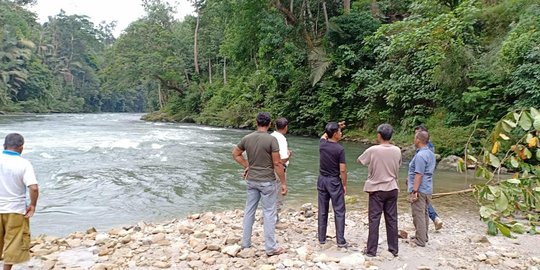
{"type": "Point", "coordinates": [457, 66]}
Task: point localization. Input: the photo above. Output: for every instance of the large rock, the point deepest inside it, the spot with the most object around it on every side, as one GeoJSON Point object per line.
{"type": "Point", "coordinates": [448, 163]}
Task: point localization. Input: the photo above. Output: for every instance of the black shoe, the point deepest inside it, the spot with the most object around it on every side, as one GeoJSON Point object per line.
{"type": "Point", "coordinates": [346, 245]}
{"type": "Point", "coordinates": [367, 254]}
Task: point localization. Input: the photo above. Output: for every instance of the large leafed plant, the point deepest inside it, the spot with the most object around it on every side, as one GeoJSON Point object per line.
{"type": "Point", "coordinates": [510, 161]}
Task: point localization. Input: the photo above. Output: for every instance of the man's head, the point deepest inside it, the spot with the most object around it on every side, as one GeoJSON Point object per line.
{"type": "Point", "coordinates": [420, 127]}
{"type": "Point", "coordinates": [385, 131]}
{"type": "Point", "coordinates": [421, 138]}
{"type": "Point", "coordinates": [282, 125]}
{"type": "Point", "coordinates": [263, 119]}
{"type": "Point", "coordinates": [14, 142]}
{"type": "Point", "coordinates": [333, 131]}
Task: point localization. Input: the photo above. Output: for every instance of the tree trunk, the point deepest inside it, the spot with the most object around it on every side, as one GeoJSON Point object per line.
{"type": "Point", "coordinates": [224, 70]}
{"type": "Point", "coordinates": [160, 96]}
{"type": "Point", "coordinates": [291, 6]}
{"type": "Point", "coordinates": [210, 70]}
{"type": "Point", "coordinates": [325, 13]}
{"type": "Point", "coordinates": [195, 43]}
{"type": "Point", "coordinates": [346, 6]}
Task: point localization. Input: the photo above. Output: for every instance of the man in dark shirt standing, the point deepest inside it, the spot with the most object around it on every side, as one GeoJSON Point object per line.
{"type": "Point", "coordinates": [332, 183]}
{"type": "Point", "coordinates": [260, 171]}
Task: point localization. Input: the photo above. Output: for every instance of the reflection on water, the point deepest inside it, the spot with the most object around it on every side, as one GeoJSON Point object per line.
{"type": "Point", "coordinates": [107, 170]}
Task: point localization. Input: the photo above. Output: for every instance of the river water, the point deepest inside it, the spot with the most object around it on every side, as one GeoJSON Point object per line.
{"type": "Point", "coordinates": [106, 170]}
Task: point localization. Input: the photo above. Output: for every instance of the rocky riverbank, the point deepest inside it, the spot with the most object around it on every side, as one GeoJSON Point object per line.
{"type": "Point", "coordinates": [211, 241]}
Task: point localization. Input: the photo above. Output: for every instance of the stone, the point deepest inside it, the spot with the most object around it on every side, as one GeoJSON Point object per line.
{"type": "Point", "coordinates": [352, 260]}
{"type": "Point", "coordinates": [511, 264]}
{"type": "Point", "coordinates": [479, 239]}
{"type": "Point", "coordinates": [104, 251]}
{"type": "Point", "coordinates": [267, 267]}
{"type": "Point", "coordinates": [196, 264]}
{"type": "Point", "coordinates": [423, 267]}
{"type": "Point", "coordinates": [213, 247]}
{"type": "Point", "coordinates": [512, 255]}
{"type": "Point", "coordinates": [199, 248]}
{"type": "Point", "coordinates": [231, 250]}
{"type": "Point", "coordinates": [160, 264]}
{"type": "Point", "coordinates": [492, 261]}
{"type": "Point", "coordinates": [403, 234]}
{"type": "Point", "coordinates": [247, 253]}
{"type": "Point", "coordinates": [481, 257]}
{"type": "Point", "coordinates": [91, 230]}
{"type": "Point", "coordinates": [185, 230]}
{"type": "Point", "coordinates": [492, 255]}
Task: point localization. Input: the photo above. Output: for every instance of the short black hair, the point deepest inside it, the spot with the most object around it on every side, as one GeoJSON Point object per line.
{"type": "Point", "coordinates": [421, 127]}
{"type": "Point", "coordinates": [13, 141]}
{"type": "Point", "coordinates": [331, 128]}
{"type": "Point", "coordinates": [281, 123]}
{"type": "Point", "coordinates": [386, 131]}
{"type": "Point", "coordinates": [263, 119]}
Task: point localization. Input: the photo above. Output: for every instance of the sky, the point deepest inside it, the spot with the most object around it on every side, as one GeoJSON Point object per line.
{"type": "Point", "coordinates": [122, 11]}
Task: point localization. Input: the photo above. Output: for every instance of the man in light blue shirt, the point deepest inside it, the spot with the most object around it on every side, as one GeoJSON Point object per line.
{"type": "Point", "coordinates": [420, 186]}
{"type": "Point", "coordinates": [431, 210]}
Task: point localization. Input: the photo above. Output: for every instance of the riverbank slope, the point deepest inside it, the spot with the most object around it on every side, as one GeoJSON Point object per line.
{"type": "Point", "coordinates": [211, 241]}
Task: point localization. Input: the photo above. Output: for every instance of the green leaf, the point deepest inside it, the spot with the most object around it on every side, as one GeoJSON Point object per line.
{"type": "Point", "coordinates": [514, 162]}
{"type": "Point", "coordinates": [486, 212]}
{"type": "Point", "coordinates": [525, 121]}
{"type": "Point", "coordinates": [472, 158]}
{"type": "Point", "coordinates": [534, 112]}
{"type": "Point", "coordinates": [504, 136]}
{"type": "Point", "coordinates": [538, 154]}
{"type": "Point", "coordinates": [527, 153]}
{"type": "Point", "coordinates": [506, 127]}
{"type": "Point", "coordinates": [518, 228]}
{"type": "Point", "coordinates": [461, 165]}
{"type": "Point", "coordinates": [516, 116]}
{"type": "Point", "coordinates": [513, 181]}
{"type": "Point", "coordinates": [510, 123]}
{"type": "Point", "coordinates": [536, 122]}
{"type": "Point", "coordinates": [494, 161]}
{"type": "Point", "coordinates": [537, 189]}
{"type": "Point", "coordinates": [501, 202]}
{"type": "Point", "coordinates": [493, 189]}
{"type": "Point", "coordinates": [492, 229]}
{"type": "Point", "coordinates": [504, 230]}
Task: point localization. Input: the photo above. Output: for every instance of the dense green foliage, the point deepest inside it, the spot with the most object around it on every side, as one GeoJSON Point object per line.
{"type": "Point", "coordinates": [510, 203]}
{"type": "Point", "coordinates": [448, 63]}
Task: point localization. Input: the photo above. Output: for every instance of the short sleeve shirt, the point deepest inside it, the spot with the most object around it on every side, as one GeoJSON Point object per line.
{"type": "Point", "coordinates": [283, 146]}
{"type": "Point", "coordinates": [259, 147]}
{"type": "Point", "coordinates": [16, 173]}
{"type": "Point", "coordinates": [383, 162]}
{"type": "Point", "coordinates": [423, 163]}
{"type": "Point", "coordinates": [331, 155]}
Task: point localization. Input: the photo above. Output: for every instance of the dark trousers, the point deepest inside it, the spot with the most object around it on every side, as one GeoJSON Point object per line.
{"type": "Point", "coordinates": [331, 188]}
{"type": "Point", "coordinates": [383, 202]}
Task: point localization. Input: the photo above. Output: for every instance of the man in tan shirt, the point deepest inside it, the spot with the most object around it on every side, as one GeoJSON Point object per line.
{"type": "Point", "coordinates": [383, 162]}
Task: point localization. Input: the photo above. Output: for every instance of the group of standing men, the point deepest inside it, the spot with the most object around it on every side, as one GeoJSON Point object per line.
{"type": "Point", "coordinates": [268, 157]}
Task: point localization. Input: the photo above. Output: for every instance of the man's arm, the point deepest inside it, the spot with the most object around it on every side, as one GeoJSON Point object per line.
{"type": "Point", "coordinates": [239, 158]}
{"type": "Point", "coordinates": [279, 169]}
{"type": "Point", "coordinates": [416, 185]}
{"type": "Point", "coordinates": [34, 194]}
{"type": "Point", "coordinates": [343, 175]}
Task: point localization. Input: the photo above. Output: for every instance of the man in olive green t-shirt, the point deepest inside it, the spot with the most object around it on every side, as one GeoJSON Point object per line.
{"type": "Point", "coordinates": [260, 169]}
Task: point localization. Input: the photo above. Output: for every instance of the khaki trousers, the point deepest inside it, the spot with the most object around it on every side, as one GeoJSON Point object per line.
{"type": "Point", "coordinates": [421, 218]}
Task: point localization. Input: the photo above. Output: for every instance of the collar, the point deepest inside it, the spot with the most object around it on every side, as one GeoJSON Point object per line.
{"type": "Point", "coordinates": [421, 148]}
{"type": "Point", "coordinates": [11, 153]}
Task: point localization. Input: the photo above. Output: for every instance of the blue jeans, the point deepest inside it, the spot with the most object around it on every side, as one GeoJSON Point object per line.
{"type": "Point", "coordinates": [431, 212]}
{"type": "Point", "coordinates": [267, 192]}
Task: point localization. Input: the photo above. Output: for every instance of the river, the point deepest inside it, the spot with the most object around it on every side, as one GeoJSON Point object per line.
{"type": "Point", "coordinates": [106, 170]}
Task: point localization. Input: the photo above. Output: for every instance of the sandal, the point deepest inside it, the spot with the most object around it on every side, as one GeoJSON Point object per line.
{"type": "Point", "coordinates": [277, 251]}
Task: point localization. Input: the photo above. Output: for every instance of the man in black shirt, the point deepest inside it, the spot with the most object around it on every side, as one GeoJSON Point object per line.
{"type": "Point", "coordinates": [332, 183]}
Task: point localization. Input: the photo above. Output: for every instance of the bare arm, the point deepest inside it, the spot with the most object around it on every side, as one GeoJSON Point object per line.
{"type": "Point", "coordinates": [34, 194]}
{"type": "Point", "coordinates": [239, 158]}
{"type": "Point", "coordinates": [343, 175]}
{"type": "Point", "coordinates": [279, 169]}
{"type": "Point", "coordinates": [416, 185]}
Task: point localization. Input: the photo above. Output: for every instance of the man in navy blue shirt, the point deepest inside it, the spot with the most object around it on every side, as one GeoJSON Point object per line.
{"type": "Point", "coordinates": [332, 183]}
